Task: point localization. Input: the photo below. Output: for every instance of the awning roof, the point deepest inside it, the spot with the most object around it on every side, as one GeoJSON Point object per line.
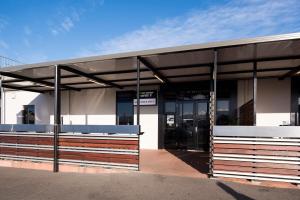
{"type": "Point", "coordinates": [276, 56]}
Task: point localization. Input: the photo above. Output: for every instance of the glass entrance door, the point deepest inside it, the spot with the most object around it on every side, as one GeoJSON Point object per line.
{"type": "Point", "coordinates": [187, 124]}
{"type": "Point", "coordinates": [193, 128]}
{"type": "Point", "coordinates": [202, 125]}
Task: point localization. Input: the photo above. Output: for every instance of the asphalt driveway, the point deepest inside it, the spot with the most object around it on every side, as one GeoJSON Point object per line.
{"type": "Point", "coordinates": [33, 185]}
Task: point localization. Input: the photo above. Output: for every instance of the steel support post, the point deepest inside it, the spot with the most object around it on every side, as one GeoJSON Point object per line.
{"type": "Point", "coordinates": [254, 92]}
{"type": "Point", "coordinates": [138, 63]}
{"type": "Point", "coordinates": [57, 115]}
{"type": "Point", "coordinates": [254, 84]}
{"type": "Point", "coordinates": [138, 92]}
{"type": "Point", "coordinates": [2, 106]}
{"type": "Point", "coordinates": [212, 108]}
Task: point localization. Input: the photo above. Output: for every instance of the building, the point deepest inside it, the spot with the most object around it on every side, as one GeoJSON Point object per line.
{"type": "Point", "coordinates": [182, 97]}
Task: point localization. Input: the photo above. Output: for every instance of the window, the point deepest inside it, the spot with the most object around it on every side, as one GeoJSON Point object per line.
{"type": "Point", "coordinates": [28, 114]}
{"type": "Point", "coordinates": [223, 106]}
{"type": "Point", "coordinates": [125, 111]}
{"type": "Point", "coordinates": [223, 112]}
{"type": "Point", "coordinates": [170, 107]}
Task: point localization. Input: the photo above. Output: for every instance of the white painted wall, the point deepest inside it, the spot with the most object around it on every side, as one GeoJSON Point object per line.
{"type": "Point", "coordinates": [149, 125]}
{"type": "Point", "coordinates": [148, 122]}
{"type": "Point", "coordinates": [273, 100]}
{"type": "Point", "coordinates": [97, 106]}
{"type": "Point", "coordinates": [14, 101]}
{"type": "Point", "coordinates": [92, 107]}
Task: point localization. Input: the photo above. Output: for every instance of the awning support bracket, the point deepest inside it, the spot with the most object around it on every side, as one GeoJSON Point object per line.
{"type": "Point", "coordinates": [156, 73]}
{"type": "Point", "coordinates": [292, 72]}
{"type": "Point", "coordinates": [41, 82]}
{"type": "Point", "coordinates": [92, 78]}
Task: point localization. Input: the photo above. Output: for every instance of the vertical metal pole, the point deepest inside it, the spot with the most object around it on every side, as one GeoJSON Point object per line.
{"type": "Point", "coordinates": [212, 109]}
{"type": "Point", "coordinates": [2, 101]}
{"type": "Point", "coordinates": [254, 85]}
{"type": "Point", "coordinates": [215, 71]}
{"type": "Point", "coordinates": [57, 115]}
{"type": "Point", "coordinates": [138, 103]}
{"type": "Point", "coordinates": [254, 92]}
{"type": "Point", "coordinates": [138, 92]}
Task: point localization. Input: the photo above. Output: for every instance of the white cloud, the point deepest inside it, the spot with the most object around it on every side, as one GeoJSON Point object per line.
{"type": "Point", "coordinates": [67, 24]}
{"type": "Point", "coordinates": [232, 20]}
{"type": "Point", "coordinates": [63, 23]}
{"type": "Point", "coordinates": [54, 31]}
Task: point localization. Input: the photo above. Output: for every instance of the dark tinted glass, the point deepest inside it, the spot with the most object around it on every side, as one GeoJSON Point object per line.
{"type": "Point", "coordinates": [223, 112]}
{"type": "Point", "coordinates": [223, 106]}
{"type": "Point", "coordinates": [28, 114]}
{"type": "Point", "coordinates": [125, 110]}
{"type": "Point", "coordinates": [170, 107]}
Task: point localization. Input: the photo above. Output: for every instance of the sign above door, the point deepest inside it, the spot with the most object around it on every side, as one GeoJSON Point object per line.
{"type": "Point", "coordinates": [147, 98]}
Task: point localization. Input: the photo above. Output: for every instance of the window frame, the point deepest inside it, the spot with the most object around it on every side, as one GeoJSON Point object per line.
{"type": "Point", "coordinates": [25, 119]}
{"type": "Point", "coordinates": [129, 100]}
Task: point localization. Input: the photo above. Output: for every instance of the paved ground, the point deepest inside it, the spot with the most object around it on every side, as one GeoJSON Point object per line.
{"type": "Point", "coordinates": [175, 163]}
{"type": "Point", "coordinates": [33, 184]}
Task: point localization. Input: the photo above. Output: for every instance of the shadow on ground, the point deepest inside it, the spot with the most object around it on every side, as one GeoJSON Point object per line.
{"type": "Point", "coordinates": [195, 159]}
{"type": "Point", "coordinates": [233, 193]}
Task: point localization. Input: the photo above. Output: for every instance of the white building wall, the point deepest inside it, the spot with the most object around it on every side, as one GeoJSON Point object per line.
{"type": "Point", "coordinates": [91, 107]}
{"type": "Point", "coordinates": [149, 125]}
{"type": "Point", "coordinates": [273, 100]}
{"type": "Point", "coordinates": [14, 101]}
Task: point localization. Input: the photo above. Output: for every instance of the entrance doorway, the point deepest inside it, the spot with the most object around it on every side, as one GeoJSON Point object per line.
{"type": "Point", "coordinates": [185, 113]}
{"type": "Point", "coordinates": [187, 124]}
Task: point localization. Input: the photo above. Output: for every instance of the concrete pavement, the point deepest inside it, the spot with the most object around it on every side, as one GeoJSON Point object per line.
{"type": "Point", "coordinates": [33, 184]}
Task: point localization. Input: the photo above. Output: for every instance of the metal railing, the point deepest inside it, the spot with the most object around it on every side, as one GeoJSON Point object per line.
{"type": "Point", "coordinates": [109, 146]}
{"type": "Point", "coordinates": [6, 62]}
{"type": "Point", "coordinates": [85, 129]}
{"type": "Point", "coordinates": [257, 153]}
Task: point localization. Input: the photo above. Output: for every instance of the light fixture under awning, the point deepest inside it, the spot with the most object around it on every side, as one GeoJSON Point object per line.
{"type": "Point", "coordinates": [94, 81]}
{"type": "Point", "coordinates": [156, 76]}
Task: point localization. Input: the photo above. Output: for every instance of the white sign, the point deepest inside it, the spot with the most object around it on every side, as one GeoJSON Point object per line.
{"type": "Point", "coordinates": [147, 98]}
{"type": "Point", "coordinates": [145, 102]}
{"type": "Point", "coordinates": [170, 120]}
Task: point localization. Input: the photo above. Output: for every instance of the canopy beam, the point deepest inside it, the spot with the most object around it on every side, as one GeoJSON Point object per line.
{"type": "Point", "coordinates": [92, 78]}
{"type": "Point", "coordinates": [42, 83]}
{"type": "Point", "coordinates": [20, 88]}
{"type": "Point", "coordinates": [292, 72]}
{"type": "Point", "coordinates": [157, 74]}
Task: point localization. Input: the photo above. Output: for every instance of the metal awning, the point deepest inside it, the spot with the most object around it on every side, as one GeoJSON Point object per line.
{"type": "Point", "coordinates": [275, 56]}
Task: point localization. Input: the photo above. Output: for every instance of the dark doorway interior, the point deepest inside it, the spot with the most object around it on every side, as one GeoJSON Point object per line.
{"type": "Point", "coordinates": [187, 127]}
{"type": "Point", "coordinates": [295, 101]}
{"type": "Point", "coordinates": [185, 114]}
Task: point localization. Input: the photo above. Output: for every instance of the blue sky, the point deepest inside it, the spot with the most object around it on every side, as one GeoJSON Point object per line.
{"type": "Point", "coordinates": [35, 31]}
